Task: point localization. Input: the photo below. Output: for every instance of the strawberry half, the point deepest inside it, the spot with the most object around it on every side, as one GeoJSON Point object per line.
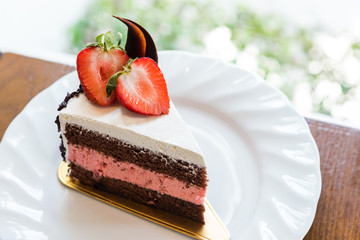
{"type": "Point", "coordinates": [141, 88]}
{"type": "Point", "coordinates": [96, 64]}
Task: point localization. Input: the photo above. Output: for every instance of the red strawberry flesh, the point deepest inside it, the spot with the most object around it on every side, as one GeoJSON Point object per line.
{"type": "Point", "coordinates": [95, 67]}
{"type": "Point", "coordinates": [143, 89]}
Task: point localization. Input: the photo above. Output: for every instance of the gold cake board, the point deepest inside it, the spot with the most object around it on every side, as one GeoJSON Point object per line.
{"type": "Point", "coordinates": [212, 229]}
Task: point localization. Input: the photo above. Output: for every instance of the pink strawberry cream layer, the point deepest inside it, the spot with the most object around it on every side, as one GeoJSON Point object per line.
{"type": "Point", "coordinates": [106, 166]}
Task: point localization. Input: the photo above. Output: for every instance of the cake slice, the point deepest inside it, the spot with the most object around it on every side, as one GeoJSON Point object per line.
{"type": "Point", "coordinates": [153, 160]}
{"type": "Point", "coordinates": [121, 133]}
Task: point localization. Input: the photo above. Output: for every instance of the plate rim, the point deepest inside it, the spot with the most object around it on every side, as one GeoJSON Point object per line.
{"type": "Point", "coordinates": [260, 81]}
{"type": "Point", "coordinates": [192, 55]}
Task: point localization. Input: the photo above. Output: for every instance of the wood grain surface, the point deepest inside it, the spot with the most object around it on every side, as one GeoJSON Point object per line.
{"type": "Point", "coordinates": [338, 213]}
{"type": "Point", "coordinates": [21, 78]}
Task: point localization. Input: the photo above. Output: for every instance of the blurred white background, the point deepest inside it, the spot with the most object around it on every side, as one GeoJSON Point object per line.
{"type": "Point", "coordinates": [42, 24]}
{"type": "Point", "coordinates": [39, 28]}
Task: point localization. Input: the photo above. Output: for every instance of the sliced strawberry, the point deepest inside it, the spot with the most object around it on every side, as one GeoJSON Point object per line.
{"type": "Point", "coordinates": [142, 88]}
{"type": "Point", "coordinates": [95, 65]}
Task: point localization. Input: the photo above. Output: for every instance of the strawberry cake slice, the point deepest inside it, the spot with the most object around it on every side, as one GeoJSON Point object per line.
{"type": "Point", "coordinates": [121, 133]}
{"type": "Point", "coordinates": [153, 160]}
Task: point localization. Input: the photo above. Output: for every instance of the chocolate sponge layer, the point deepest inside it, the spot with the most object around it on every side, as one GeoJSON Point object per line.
{"type": "Point", "coordinates": [145, 158]}
{"type": "Point", "coordinates": [139, 194]}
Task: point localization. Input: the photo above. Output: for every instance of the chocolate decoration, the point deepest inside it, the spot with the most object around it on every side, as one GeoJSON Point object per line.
{"type": "Point", "coordinates": [139, 42]}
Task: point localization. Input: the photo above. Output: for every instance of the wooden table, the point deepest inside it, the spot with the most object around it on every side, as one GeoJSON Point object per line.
{"type": "Point", "coordinates": [338, 213]}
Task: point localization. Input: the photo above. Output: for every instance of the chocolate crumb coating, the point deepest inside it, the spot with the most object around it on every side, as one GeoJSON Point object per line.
{"type": "Point", "coordinates": [70, 96]}
{"type": "Point", "coordinates": [62, 105]}
{"type": "Point", "coordinates": [62, 148]}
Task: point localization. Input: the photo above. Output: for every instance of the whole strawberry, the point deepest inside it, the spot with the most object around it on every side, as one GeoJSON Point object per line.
{"type": "Point", "coordinates": [97, 63]}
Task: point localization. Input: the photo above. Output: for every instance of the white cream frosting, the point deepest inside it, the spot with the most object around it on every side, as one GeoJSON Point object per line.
{"type": "Point", "coordinates": [167, 134]}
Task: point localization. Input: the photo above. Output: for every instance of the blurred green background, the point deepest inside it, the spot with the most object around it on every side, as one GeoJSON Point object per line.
{"type": "Point", "coordinates": [317, 71]}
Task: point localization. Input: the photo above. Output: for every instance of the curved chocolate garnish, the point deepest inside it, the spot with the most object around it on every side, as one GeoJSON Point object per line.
{"type": "Point", "coordinates": [139, 42]}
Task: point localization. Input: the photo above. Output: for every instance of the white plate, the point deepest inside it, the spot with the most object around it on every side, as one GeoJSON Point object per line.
{"type": "Point", "coordinates": [263, 163]}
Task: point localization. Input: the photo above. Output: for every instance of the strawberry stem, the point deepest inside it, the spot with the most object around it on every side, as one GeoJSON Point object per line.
{"type": "Point", "coordinates": [127, 67]}
{"type": "Point", "coordinates": [107, 42]}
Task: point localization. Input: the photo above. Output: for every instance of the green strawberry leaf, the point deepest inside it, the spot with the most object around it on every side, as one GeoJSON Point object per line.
{"type": "Point", "coordinates": [109, 39]}
{"type": "Point", "coordinates": [118, 38]}
{"type": "Point", "coordinates": [112, 83]}
{"type": "Point", "coordinates": [95, 45]}
{"type": "Point", "coordinates": [98, 39]}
